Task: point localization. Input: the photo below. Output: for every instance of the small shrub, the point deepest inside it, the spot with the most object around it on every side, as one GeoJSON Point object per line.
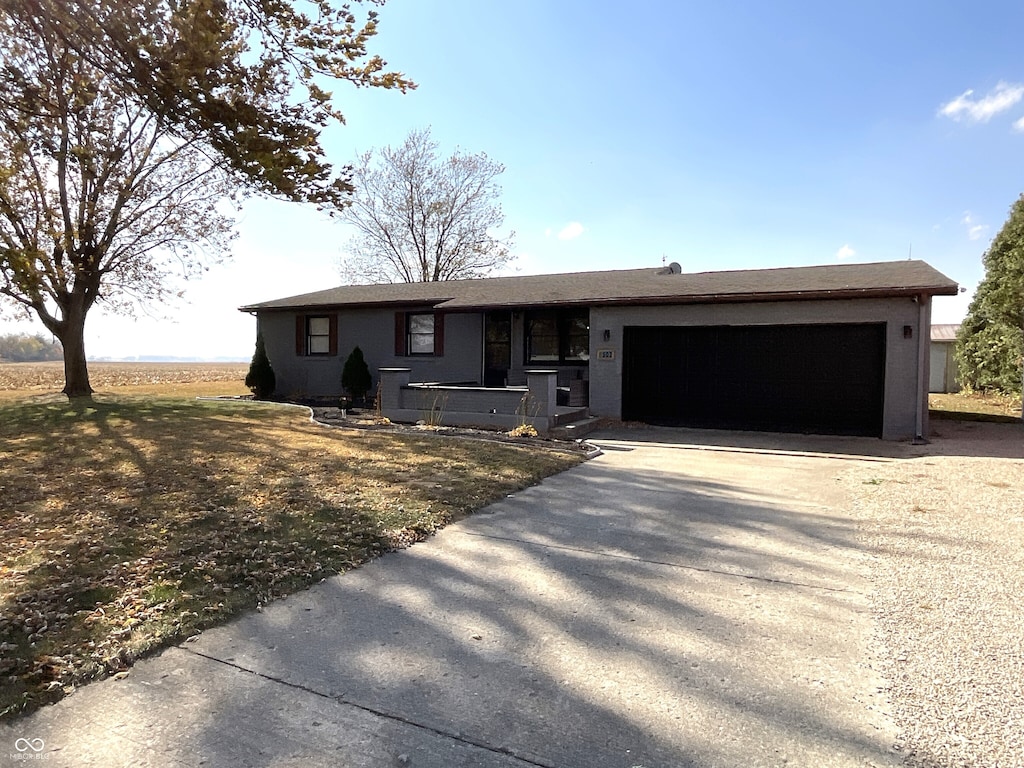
{"type": "Point", "coordinates": [260, 378]}
{"type": "Point", "coordinates": [355, 376]}
{"type": "Point", "coordinates": [523, 430]}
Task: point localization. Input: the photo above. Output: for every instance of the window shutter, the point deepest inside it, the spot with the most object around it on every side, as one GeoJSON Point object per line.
{"type": "Point", "coordinates": [399, 334]}
{"type": "Point", "coordinates": [300, 335]}
{"type": "Point", "coordinates": [439, 333]}
{"type": "Point", "coordinates": [332, 341]}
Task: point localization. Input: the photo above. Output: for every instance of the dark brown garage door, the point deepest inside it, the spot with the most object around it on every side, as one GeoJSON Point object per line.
{"type": "Point", "coordinates": [826, 379]}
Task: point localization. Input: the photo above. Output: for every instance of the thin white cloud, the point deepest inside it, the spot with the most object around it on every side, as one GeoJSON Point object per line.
{"type": "Point", "coordinates": [1018, 125]}
{"type": "Point", "coordinates": [845, 252]}
{"type": "Point", "coordinates": [974, 229]}
{"type": "Point", "coordinates": [999, 99]}
{"type": "Point", "coordinates": [571, 231]}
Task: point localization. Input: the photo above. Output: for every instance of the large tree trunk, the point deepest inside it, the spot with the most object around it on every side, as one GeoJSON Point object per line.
{"type": "Point", "coordinates": [76, 371]}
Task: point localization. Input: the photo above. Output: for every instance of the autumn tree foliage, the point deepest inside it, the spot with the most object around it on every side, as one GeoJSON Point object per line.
{"type": "Point", "coordinates": [125, 128]}
{"type": "Point", "coordinates": [97, 198]}
{"type": "Point", "coordinates": [247, 78]}
{"type": "Point", "coordinates": [25, 348]}
{"type": "Point", "coordinates": [420, 217]}
{"type": "Point", "coordinates": [990, 345]}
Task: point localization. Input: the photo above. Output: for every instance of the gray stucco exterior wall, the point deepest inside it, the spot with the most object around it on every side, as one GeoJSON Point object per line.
{"type": "Point", "coordinates": [906, 365]}
{"type": "Point", "coordinates": [902, 375]}
{"type": "Point", "coordinates": [373, 330]}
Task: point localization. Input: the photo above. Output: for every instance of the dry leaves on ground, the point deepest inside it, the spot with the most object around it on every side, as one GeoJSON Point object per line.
{"type": "Point", "coordinates": [132, 523]}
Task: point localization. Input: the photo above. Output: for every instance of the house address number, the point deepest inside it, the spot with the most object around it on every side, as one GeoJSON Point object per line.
{"type": "Point", "coordinates": [606, 354]}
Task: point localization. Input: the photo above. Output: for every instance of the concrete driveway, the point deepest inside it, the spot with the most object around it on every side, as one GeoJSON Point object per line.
{"type": "Point", "coordinates": [657, 606]}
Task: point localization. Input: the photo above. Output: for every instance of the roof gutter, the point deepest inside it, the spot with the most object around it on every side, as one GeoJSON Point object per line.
{"type": "Point", "coordinates": [434, 303]}
{"type": "Point", "coordinates": [717, 298]}
{"type": "Point", "coordinates": [452, 304]}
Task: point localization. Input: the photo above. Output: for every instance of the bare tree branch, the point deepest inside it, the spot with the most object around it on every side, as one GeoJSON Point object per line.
{"type": "Point", "coordinates": [420, 218]}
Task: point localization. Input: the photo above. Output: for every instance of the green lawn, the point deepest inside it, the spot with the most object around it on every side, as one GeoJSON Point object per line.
{"type": "Point", "coordinates": [134, 522]}
{"type": "Point", "coordinates": [975, 406]}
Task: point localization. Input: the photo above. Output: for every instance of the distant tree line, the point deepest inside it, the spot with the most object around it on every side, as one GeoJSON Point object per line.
{"type": "Point", "coordinates": [22, 348]}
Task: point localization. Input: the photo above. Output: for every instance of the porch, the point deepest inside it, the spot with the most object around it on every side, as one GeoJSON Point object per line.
{"type": "Point", "coordinates": [535, 403]}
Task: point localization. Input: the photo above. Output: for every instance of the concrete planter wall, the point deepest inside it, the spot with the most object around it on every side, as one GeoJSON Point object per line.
{"type": "Point", "coordinates": [446, 405]}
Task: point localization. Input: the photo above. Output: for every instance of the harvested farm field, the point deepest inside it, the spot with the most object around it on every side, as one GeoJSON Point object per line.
{"type": "Point", "coordinates": [35, 379]}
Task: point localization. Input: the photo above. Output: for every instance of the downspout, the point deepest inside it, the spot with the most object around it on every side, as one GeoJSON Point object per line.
{"type": "Point", "coordinates": [923, 340]}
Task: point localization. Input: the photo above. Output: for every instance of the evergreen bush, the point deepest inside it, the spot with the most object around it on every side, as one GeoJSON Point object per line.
{"type": "Point", "coordinates": [260, 378]}
{"type": "Point", "coordinates": [355, 376]}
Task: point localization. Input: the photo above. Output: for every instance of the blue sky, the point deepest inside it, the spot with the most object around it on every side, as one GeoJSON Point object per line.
{"type": "Point", "coordinates": [725, 135]}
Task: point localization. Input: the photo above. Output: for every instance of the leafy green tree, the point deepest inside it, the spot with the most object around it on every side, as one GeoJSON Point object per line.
{"type": "Point", "coordinates": [261, 378]}
{"type": "Point", "coordinates": [990, 345]}
{"type": "Point", "coordinates": [423, 218]}
{"type": "Point", "coordinates": [355, 375]}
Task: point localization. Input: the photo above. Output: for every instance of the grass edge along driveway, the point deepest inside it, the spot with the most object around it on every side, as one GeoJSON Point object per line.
{"type": "Point", "coordinates": [133, 523]}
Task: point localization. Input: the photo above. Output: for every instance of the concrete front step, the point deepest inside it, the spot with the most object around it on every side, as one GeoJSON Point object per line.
{"type": "Point", "coordinates": [566, 415]}
{"type": "Point", "coordinates": [575, 429]}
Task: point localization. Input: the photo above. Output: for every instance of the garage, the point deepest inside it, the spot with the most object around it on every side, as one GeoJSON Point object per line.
{"type": "Point", "coordinates": [814, 378]}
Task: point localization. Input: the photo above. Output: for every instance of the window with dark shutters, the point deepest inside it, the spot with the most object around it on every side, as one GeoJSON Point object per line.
{"type": "Point", "coordinates": [419, 339]}
{"type": "Point", "coordinates": [316, 335]}
{"type": "Point", "coordinates": [419, 333]}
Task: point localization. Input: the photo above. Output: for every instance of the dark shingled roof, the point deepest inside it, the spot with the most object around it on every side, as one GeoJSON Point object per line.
{"type": "Point", "coordinates": [638, 286]}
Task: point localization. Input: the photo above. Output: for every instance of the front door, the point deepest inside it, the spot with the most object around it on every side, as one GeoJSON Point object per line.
{"type": "Point", "coordinates": [497, 347]}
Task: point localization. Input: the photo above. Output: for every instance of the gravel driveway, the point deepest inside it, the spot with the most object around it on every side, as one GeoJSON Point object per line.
{"type": "Point", "coordinates": [946, 531]}
{"type": "Point", "coordinates": [659, 606]}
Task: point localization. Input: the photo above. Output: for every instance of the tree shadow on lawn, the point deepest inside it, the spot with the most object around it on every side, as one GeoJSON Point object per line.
{"type": "Point", "coordinates": [131, 524]}
{"type": "Point", "coordinates": [651, 619]}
